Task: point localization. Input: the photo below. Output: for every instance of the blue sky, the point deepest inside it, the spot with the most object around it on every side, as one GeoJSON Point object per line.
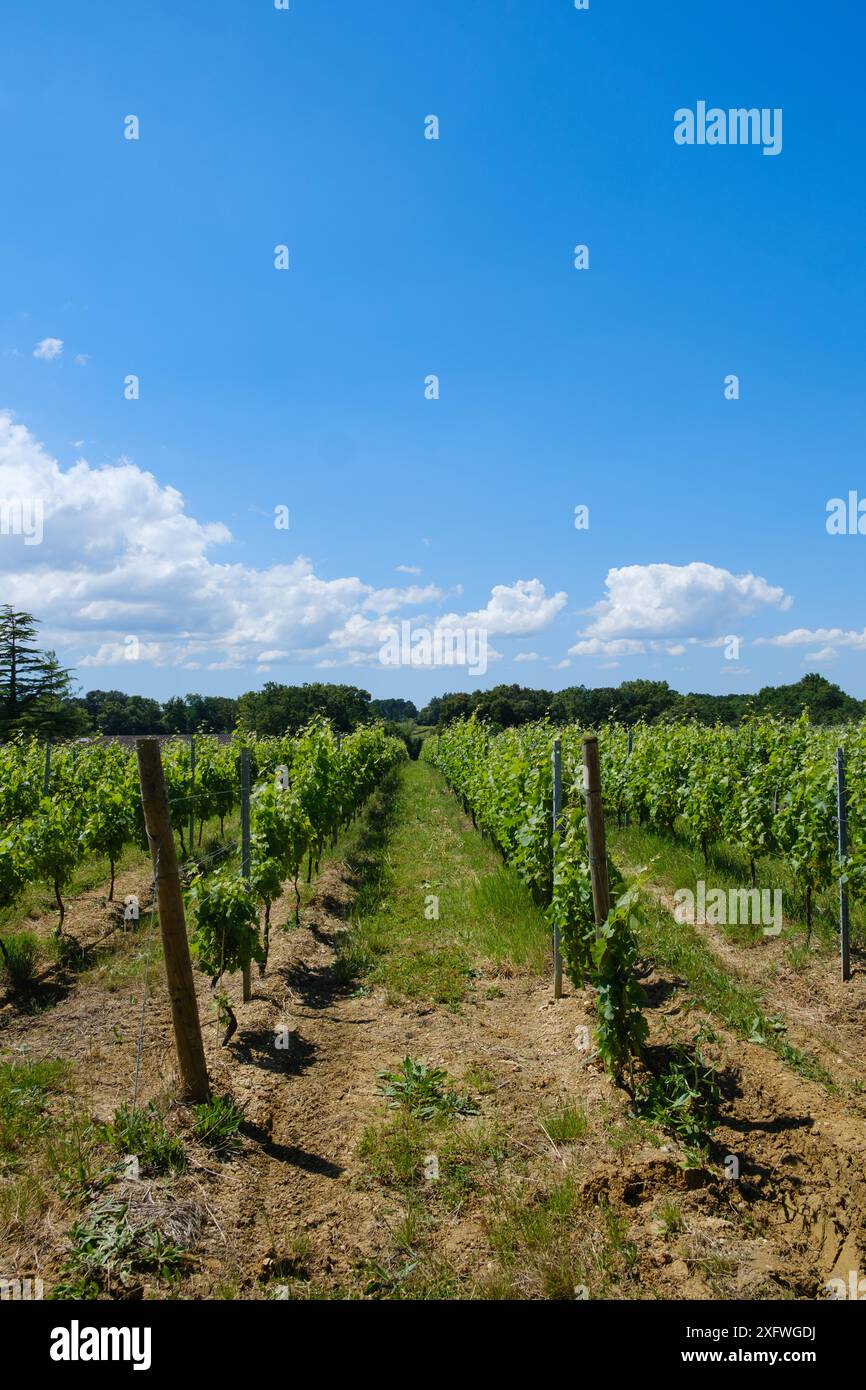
{"type": "Point", "coordinates": [408, 257]}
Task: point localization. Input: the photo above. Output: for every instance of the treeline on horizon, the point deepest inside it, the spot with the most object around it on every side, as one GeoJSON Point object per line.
{"type": "Point", "coordinates": [510, 705]}
{"type": "Point", "coordinates": [278, 708]}
{"type": "Point", "coordinates": [37, 697]}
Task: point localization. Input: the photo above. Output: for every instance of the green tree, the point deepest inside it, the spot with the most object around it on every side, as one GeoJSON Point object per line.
{"type": "Point", "coordinates": [113, 712]}
{"type": "Point", "coordinates": [280, 709]}
{"type": "Point", "coordinates": [396, 711]}
{"type": "Point", "coordinates": [210, 714]}
{"type": "Point", "coordinates": [35, 690]}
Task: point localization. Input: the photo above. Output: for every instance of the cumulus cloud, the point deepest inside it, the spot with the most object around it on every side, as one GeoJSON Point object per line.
{"type": "Point", "coordinates": [48, 349]}
{"type": "Point", "coordinates": [389, 600]}
{"type": "Point", "coordinates": [527, 656]}
{"type": "Point", "coordinates": [518, 610]}
{"type": "Point", "coordinates": [407, 569]}
{"type": "Point", "coordinates": [121, 654]}
{"type": "Point", "coordinates": [593, 646]}
{"type": "Point", "coordinates": [659, 608]}
{"type": "Point", "coordinates": [677, 600]}
{"type": "Point", "coordinates": [825, 654]}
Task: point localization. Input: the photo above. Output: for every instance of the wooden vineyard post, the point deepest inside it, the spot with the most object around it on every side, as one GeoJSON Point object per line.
{"type": "Point", "coordinates": [47, 774]}
{"type": "Point", "coordinates": [630, 742]}
{"type": "Point", "coordinates": [556, 758]}
{"type": "Point", "coordinates": [842, 820]}
{"type": "Point", "coordinates": [191, 794]}
{"type": "Point", "coordinates": [246, 864]}
{"type": "Point", "coordinates": [178, 966]}
{"type": "Point", "coordinates": [335, 833]}
{"type": "Point", "coordinates": [595, 832]}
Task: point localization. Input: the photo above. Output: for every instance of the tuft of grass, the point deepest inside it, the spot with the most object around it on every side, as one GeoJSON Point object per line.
{"type": "Point", "coordinates": [19, 955]}
{"type": "Point", "coordinates": [566, 1123]}
{"type": "Point", "coordinates": [616, 1226]}
{"type": "Point", "coordinates": [144, 1134]}
{"type": "Point", "coordinates": [292, 1263]}
{"type": "Point", "coordinates": [670, 1218]}
{"type": "Point", "coordinates": [422, 1276]}
{"type": "Point", "coordinates": [217, 1122]}
{"type": "Point", "coordinates": [799, 957]}
{"type": "Point", "coordinates": [479, 1079]}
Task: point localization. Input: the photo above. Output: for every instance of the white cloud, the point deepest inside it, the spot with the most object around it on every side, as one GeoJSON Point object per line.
{"type": "Point", "coordinates": [828, 636]}
{"type": "Point", "coordinates": [81, 359]}
{"type": "Point", "coordinates": [389, 600]}
{"type": "Point", "coordinates": [593, 646]}
{"type": "Point", "coordinates": [118, 654]}
{"type": "Point", "coordinates": [516, 610]}
{"type": "Point", "coordinates": [48, 349]}
{"type": "Point", "coordinates": [825, 654]}
{"type": "Point", "coordinates": [677, 600]}
{"type": "Point", "coordinates": [527, 656]}
{"type": "Point", "coordinates": [562, 665]}
{"type": "Point", "coordinates": [407, 569]}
